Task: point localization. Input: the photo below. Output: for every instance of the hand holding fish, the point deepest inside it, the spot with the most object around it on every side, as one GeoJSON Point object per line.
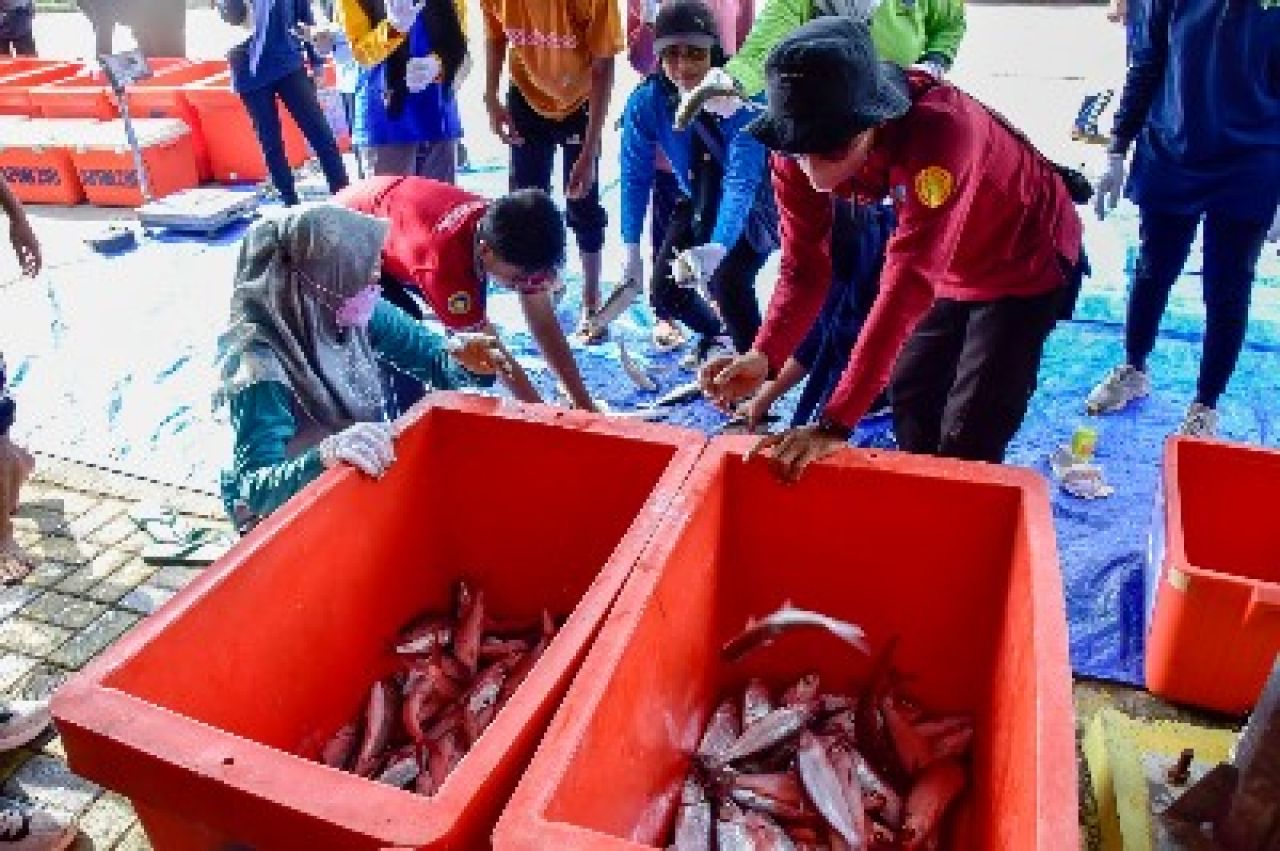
{"type": "Point", "coordinates": [726, 380]}
{"type": "Point", "coordinates": [482, 354]}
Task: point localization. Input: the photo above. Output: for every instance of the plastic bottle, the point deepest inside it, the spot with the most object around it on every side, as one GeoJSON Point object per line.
{"type": "Point", "coordinates": [1084, 441]}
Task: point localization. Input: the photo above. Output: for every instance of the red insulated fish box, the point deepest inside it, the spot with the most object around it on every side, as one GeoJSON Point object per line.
{"type": "Point", "coordinates": [955, 560]}
{"type": "Point", "coordinates": [235, 156]}
{"type": "Point", "coordinates": [1215, 627]}
{"type": "Point", "coordinates": [108, 169]}
{"type": "Point", "coordinates": [17, 81]}
{"type": "Point", "coordinates": [164, 96]}
{"type": "Point", "coordinates": [198, 714]}
{"type": "Point", "coordinates": [35, 159]}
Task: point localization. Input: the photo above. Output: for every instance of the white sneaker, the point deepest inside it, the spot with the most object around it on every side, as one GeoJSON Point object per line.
{"type": "Point", "coordinates": [23, 828]}
{"type": "Point", "coordinates": [1200, 421]}
{"type": "Point", "coordinates": [1122, 385]}
{"type": "Point", "coordinates": [22, 721]}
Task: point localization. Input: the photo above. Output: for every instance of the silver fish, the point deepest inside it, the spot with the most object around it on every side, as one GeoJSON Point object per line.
{"type": "Point", "coordinates": [762, 632]}
{"type": "Point", "coordinates": [638, 376]}
{"type": "Point", "coordinates": [679, 395]}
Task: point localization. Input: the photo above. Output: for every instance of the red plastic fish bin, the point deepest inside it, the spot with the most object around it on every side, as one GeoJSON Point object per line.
{"type": "Point", "coordinates": [197, 714]}
{"type": "Point", "coordinates": [18, 80]}
{"type": "Point", "coordinates": [955, 559]}
{"type": "Point", "coordinates": [235, 156]}
{"type": "Point", "coordinates": [87, 94]}
{"type": "Point", "coordinates": [164, 96]}
{"type": "Point", "coordinates": [1215, 627]}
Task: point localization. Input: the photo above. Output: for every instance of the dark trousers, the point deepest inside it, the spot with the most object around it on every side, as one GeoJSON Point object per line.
{"type": "Point", "coordinates": [962, 383]}
{"type": "Point", "coordinates": [298, 94]}
{"type": "Point", "coordinates": [859, 234]}
{"type": "Point", "coordinates": [20, 46]}
{"type": "Point", "coordinates": [533, 161]}
{"type": "Point", "coordinates": [666, 194]}
{"type": "Point", "coordinates": [1231, 251]}
{"type": "Point", "coordinates": [732, 287]}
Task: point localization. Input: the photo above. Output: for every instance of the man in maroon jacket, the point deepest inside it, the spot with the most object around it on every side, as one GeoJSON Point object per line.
{"type": "Point", "coordinates": [983, 263]}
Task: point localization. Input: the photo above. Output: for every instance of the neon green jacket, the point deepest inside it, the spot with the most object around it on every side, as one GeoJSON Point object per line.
{"type": "Point", "coordinates": [904, 31]}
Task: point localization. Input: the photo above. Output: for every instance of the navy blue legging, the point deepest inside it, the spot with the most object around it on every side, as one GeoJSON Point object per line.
{"type": "Point", "coordinates": [1231, 251]}
{"type": "Point", "coordinates": [298, 94]}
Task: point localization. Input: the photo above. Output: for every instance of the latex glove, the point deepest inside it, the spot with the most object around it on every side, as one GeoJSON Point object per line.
{"type": "Point", "coordinates": [728, 379]}
{"type": "Point", "coordinates": [648, 11]}
{"type": "Point", "coordinates": [482, 354]}
{"type": "Point", "coordinates": [633, 270]}
{"type": "Point", "coordinates": [1110, 186]}
{"type": "Point", "coordinates": [694, 267]}
{"type": "Point", "coordinates": [402, 13]}
{"type": "Point", "coordinates": [365, 446]}
{"type": "Point", "coordinates": [422, 72]}
{"type": "Point", "coordinates": [1273, 235]}
{"type": "Point", "coordinates": [933, 69]}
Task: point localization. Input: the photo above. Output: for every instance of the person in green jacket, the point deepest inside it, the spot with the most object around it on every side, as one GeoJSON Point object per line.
{"type": "Point", "coordinates": [299, 359]}
{"type": "Point", "coordinates": [922, 35]}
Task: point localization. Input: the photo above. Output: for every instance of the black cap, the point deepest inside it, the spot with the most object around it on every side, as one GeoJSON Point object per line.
{"type": "Point", "coordinates": [826, 84]}
{"type": "Point", "coordinates": [685, 22]}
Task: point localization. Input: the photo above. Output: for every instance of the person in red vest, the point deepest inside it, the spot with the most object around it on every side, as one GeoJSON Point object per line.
{"type": "Point", "coordinates": [448, 244]}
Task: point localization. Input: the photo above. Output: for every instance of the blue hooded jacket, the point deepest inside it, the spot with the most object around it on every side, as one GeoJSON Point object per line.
{"type": "Point", "coordinates": [647, 126]}
{"type": "Point", "coordinates": [1202, 99]}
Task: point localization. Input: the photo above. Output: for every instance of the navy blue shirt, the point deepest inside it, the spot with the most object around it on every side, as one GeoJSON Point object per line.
{"type": "Point", "coordinates": [1202, 99]}
{"type": "Point", "coordinates": [282, 51]}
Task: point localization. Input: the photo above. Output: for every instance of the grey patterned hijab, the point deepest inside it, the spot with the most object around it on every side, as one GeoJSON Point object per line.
{"type": "Point", "coordinates": [292, 275]}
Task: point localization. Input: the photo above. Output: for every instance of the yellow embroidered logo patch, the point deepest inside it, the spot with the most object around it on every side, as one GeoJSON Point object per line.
{"type": "Point", "coordinates": [459, 303]}
{"type": "Point", "coordinates": [934, 185]}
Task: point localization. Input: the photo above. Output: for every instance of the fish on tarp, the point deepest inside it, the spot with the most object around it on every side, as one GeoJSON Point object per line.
{"type": "Point", "coordinates": [679, 395]}
{"type": "Point", "coordinates": [638, 376]}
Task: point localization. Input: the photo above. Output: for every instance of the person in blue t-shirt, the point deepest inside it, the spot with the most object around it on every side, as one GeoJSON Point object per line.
{"type": "Point", "coordinates": [411, 56]}
{"type": "Point", "coordinates": [1201, 112]}
{"type": "Point", "coordinates": [273, 64]}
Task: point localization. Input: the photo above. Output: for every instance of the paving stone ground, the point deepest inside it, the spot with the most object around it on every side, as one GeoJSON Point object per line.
{"type": "Point", "coordinates": [92, 584]}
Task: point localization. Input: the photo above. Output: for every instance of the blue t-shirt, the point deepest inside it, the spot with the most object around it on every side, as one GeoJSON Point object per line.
{"type": "Point", "coordinates": [430, 115]}
{"type": "Point", "coordinates": [1202, 99]}
{"type": "Point", "coordinates": [282, 51]}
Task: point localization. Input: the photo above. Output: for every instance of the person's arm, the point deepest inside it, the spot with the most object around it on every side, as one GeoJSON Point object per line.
{"type": "Point", "coordinates": [540, 313]}
{"type": "Point", "coordinates": [408, 347]}
{"type": "Point", "coordinates": [495, 57]}
{"type": "Point", "coordinates": [515, 379]}
{"type": "Point", "coordinates": [1149, 54]}
{"type": "Point", "coordinates": [944, 27]}
{"type": "Point", "coordinates": [805, 272]}
{"type": "Point", "coordinates": [776, 19]}
{"type": "Point", "coordinates": [26, 248]}
{"type": "Point", "coordinates": [262, 476]}
{"type": "Point", "coordinates": [747, 161]}
{"type": "Point", "coordinates": [757, 407]}
{"type": "Point", "coordinates": [371, 42]}
{"type": "Point", "coordinates": [917, 258]}
{"type": "Point", "coordinates": [639, 142]}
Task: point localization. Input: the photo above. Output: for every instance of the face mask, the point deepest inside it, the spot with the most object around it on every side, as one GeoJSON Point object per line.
{"type": "Point", "coordinates": [356, 311]}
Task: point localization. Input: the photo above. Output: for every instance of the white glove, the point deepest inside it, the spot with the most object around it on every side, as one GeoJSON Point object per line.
{"type": "Point", "coordinates": [1273, 235]}
{"type": "Point", "coordinates": [694, 267]}
{"type": "Point", "coordinates": [648, 11]}
{"type": "Point", "coordinates": [933, 69]}
{"type": "Point", "coordinates": [1110, 186]}
{"type": "Point", "coordinates": [402, 13]}
{"type": "Point", "coordinates": [723, 106]}
{"type": "Point", "coordinates": [365, 446]}
{"type": "Point", "coordinates": [421, 72]}
{"type": "Point", "coordinates": [633, 271]}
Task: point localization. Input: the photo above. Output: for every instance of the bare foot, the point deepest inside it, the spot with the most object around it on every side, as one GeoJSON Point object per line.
{"type": "Point", "coordinates": [15, 562]}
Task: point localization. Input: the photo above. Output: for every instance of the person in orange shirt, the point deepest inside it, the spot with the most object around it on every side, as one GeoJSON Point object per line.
{"type": "Point", "coordinates": [561, 55]}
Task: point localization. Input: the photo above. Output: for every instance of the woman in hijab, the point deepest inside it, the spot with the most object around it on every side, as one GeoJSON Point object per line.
{"type": "Point", "coordinates": [299, 360]}
{"type": "Point", "coordinates": [272, 64]}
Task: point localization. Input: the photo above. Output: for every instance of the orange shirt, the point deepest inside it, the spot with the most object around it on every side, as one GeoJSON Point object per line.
{"type": "Point", "coordinates": [551, 45]}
